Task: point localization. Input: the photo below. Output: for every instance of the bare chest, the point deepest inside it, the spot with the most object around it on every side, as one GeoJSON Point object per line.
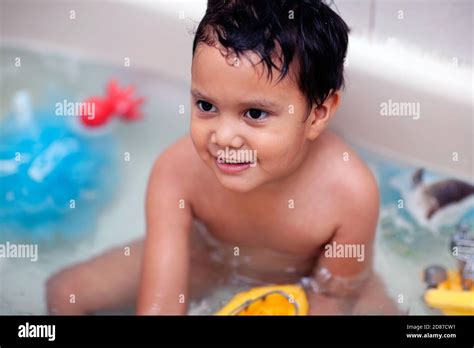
{"type": "Point", "coordinates": [273, 247]}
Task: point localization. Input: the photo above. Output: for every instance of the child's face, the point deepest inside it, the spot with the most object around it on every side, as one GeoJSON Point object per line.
{"type": "Point", "coordinates": [238, 108]}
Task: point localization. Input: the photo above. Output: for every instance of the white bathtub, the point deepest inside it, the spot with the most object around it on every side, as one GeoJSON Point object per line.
{"type": "Point", "coordinates": [158, 43]}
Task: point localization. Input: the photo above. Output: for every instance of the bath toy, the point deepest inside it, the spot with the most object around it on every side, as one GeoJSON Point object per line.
{"type": "Point", "coordinates": [118, 102]}
{"type": "Point", "coordinates": [452, 291]}
{"type": "Point", "coordinates": [268, 300]}
{"type": "Point", "coordinates": [55, 172]}
{"type": "Point", "coordinates": [450, 297]}
{"type": "Point", "coordinates": [442, 193]}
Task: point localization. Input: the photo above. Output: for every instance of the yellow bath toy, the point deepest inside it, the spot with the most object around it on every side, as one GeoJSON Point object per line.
{"type": "Point", "coordinates": [452, 291]}
{"type": "Point", "coordinates": [268, 300]}
{"type": "Point", "coordinates": [450, 297]}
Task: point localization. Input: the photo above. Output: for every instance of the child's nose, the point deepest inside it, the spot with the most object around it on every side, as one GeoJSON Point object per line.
{"type": "Point", "coordinates": [227, 134]}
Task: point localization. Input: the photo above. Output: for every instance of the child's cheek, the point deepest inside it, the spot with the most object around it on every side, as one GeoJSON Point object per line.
{"type": "Point", "coordinates": [274, 151]}
{"type": "Point", "coordinates": [284, 152]}
{"type": "Point", "coordinates": [198, 136]}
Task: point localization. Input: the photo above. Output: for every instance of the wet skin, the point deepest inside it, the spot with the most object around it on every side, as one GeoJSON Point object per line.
{"type": "Point", "coordinates": [306, 189]}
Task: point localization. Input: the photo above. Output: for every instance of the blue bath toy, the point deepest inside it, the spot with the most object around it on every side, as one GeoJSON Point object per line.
{"type": "Point", "coordinates": [55, 176]}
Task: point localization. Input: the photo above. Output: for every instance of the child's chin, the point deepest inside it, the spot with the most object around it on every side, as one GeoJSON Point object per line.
{"type": "Point", "coordinates": [238, 184]}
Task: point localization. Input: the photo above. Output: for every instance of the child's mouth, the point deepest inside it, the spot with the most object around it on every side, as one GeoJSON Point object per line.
{"type": "Point", "coordinates": [231, 166]}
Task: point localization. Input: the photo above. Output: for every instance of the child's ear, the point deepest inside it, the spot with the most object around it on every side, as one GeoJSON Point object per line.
{"type": "Point", "coordinates": [320, 116]}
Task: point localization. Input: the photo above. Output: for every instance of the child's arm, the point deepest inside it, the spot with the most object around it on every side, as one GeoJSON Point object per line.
{"type": "Point", "coordinates": [163, 286]}
{"type": "Point", "coordinates": [340, 283]}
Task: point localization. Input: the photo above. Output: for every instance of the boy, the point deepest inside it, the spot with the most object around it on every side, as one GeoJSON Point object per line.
{"type": "Point", "coordinates": [273, 188]}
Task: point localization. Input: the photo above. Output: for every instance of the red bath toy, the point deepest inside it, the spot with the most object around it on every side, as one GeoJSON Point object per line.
{"type": "Point", "coordinates": [117, 103]}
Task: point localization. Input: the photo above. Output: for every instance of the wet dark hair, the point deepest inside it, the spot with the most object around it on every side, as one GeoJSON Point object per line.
{"type": "Point", "coordinates": [280, 30]}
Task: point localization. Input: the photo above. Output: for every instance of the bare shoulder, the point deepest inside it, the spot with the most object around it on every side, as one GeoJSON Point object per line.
{"type": "Point", "coordinates": [352, 184]}
{"type": "Point", "coordinates": [177, 167]}
{"type": "Point", "coordinates": [350, 171]}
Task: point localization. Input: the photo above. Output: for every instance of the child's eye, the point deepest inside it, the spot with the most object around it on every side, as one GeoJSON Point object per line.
{"type": "Point", "coordinates": [256, 114]}
{"type": "Point", "coordinates": [205, 106]}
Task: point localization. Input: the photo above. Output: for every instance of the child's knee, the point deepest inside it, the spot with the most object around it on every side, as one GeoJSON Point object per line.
{"type": "Point", "coordinates": [61, 294]}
